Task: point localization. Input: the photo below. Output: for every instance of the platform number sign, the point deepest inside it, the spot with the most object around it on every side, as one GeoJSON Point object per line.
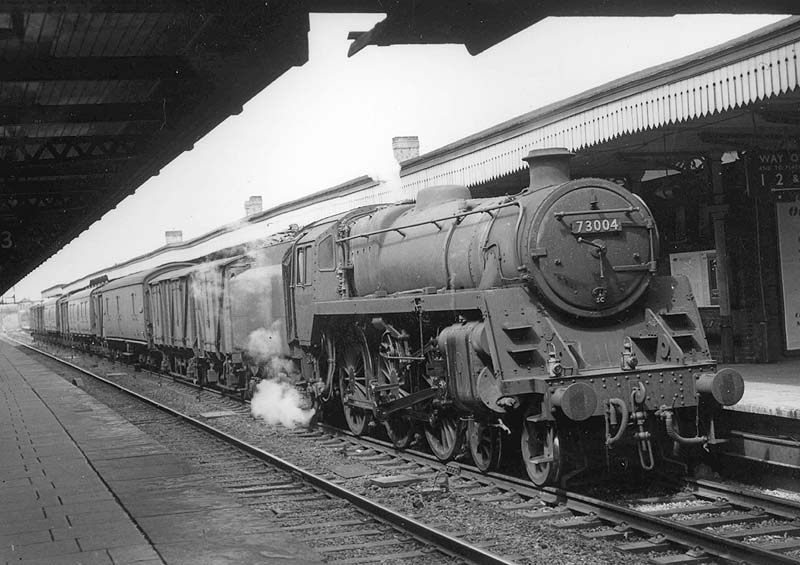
{"type": "Point", "coordinates": [6, 239]}
{"type": "Point", "coordinates": [774, 171]}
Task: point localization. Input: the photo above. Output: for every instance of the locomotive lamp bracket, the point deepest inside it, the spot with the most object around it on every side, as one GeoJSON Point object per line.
{"type": "Point", "coordinates": [629, 360]}
{"type": "Point", "coordinates": [554, 367]}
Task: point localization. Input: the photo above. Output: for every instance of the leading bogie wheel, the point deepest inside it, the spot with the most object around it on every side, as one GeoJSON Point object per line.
{"type": "Point", "coordinates": [485, 445]}
{"type": "Point", "coordinates": [541, 452]}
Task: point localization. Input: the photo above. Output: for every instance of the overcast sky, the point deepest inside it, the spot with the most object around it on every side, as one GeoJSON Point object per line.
{"type": "Point", "coordinates": [332, 119]}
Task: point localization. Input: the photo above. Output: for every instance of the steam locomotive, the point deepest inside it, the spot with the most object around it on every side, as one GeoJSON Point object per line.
{"type": "Point", "coordinates": [536, 318]}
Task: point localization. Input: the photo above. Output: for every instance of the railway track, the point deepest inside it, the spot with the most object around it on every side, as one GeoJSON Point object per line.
{"type": "Point", "coordinates": [300, 500]}
{"type": "Point", "coordinates": [704, 522]}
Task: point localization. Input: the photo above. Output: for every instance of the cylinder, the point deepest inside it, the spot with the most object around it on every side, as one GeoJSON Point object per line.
{"type": "Point", "coordinates": [726, 386]}
{"type": "Point", "coordinates": [578, 401]}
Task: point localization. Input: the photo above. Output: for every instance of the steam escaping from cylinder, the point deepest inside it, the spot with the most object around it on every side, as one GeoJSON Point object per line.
{"type": "Point", "coordinates": [278, 402]}
{"type": "Point", "coordinates": [275, 400]}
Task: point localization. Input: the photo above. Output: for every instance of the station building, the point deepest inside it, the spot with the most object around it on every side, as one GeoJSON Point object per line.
{"type": "Point", "coordinates": [711, 142]}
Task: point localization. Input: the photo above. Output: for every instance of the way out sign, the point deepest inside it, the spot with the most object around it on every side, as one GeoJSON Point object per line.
{"type": "Point", "coordinates": [776, 171]}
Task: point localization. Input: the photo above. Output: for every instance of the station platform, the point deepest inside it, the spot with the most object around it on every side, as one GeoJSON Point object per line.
{"type": "Point", "coordinates": [79, 484]}
{"type": "Point", "coordinates": [770, 388]}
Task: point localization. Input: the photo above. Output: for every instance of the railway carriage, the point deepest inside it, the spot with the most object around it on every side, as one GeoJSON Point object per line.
{"type": "Point", "coordinates": [50, 317]}
{"type": "Point", "coordinates": [122, 311]}
{"type": "Point", "coordinates": [204, 317]}
{"type": "Point", "coordinates": [81, 319]}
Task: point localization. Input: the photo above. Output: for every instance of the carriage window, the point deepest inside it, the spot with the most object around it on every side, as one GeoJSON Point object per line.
{"type": "Point", "coordinates": [325, 254]}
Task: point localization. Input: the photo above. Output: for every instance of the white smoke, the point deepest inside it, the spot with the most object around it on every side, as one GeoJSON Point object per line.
{"type": "Point", "coordinates": [278, 402]}
{"type": "Point", "coordinates": [265, 345]}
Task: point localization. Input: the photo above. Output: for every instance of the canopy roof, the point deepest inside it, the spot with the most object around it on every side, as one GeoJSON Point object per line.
{"type": "Point", "coordinates": [738, 93]}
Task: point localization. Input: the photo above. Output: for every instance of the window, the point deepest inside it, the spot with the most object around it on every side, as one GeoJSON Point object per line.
{"type": "Point", "coordinates": [325, 254]}
{"type": "Point", "coordinates": [301, 266]}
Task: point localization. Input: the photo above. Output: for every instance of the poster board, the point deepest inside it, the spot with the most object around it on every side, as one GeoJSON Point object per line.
{"type": "Point", "coordinates": [700, 268]}
{"type": "Point", "coordinates": [788, 217]}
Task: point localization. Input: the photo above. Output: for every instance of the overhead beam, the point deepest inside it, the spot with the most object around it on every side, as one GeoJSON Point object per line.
{"type": "Point", "coordinates": [67, 139]}
{"type": "Point", "coordinates": [37, 69]}
{"type": "Point", "coordinates": [22, 189]}
{"type": "Point", "coordinates": [67, 149]}
{"type": "Point", "coordinates": [82, 113]}
{"type": "Point", "coordinates": [104, 7]}
{"type": "Point", "coordinates": [102, 166]}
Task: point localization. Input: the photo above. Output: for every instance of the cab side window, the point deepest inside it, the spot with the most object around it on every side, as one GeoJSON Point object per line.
{"type": "Point", "coordinates": [300, 277]}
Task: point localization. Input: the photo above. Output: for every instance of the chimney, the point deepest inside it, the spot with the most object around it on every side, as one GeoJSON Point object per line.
{"type": "Point", "coordinates": [252, 205]}
{"type": "Point", "coordinates": [405, 148]}
{"type": "Point", "coordinates": [173, 236]}
{"type": "Point", "coordinates": [548, 167]}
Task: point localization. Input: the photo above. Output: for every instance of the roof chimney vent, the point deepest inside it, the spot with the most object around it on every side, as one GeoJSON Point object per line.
{"type": "Point", "coordinates": [405, 148]}
{"type": "Point", "coordinates": [173, 236]}
{"type": "Point", "coordinates": [253, 205]}
{"type": "Point", "coordinates": [548, 167]}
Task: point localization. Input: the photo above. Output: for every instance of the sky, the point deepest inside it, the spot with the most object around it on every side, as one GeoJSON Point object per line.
{"type": "Point", "coordinates": [333, 119]}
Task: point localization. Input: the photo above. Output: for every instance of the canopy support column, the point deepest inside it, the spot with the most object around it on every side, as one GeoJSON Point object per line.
{"type": "Point", "coordinates": [719, 211]}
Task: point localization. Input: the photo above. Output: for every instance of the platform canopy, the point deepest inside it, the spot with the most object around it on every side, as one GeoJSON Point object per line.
{"type": "Point", "coordinates": [97, 96]}
{"type": "Point", "coordinates": [739, 95]}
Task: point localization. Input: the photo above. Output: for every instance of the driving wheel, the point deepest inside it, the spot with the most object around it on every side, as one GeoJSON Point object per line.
{"type": "Point", "coordinates": [445, 436]}
{"type": "Point", "coordinates": [355, 372]}
{"type": "Point", "coordinates": [391, 371]}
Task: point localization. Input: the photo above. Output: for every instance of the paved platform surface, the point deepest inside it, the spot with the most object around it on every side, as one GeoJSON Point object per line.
{"type": "Point", "coordinates": [78, 484]}
{"type": "Point", "coordinates": [770, 388]}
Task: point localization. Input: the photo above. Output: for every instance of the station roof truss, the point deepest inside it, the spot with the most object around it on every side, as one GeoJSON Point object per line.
{"type": "Point", "coordinates": [98, 96]}
{"type": "Point", "coordinates": [735, 96]}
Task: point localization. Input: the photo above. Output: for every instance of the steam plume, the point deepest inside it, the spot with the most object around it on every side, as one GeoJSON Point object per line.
{"type": "Point", "coordinates": [276, 401]}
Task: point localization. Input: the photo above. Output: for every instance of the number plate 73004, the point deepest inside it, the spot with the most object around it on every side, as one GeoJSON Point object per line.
{"type": "Point", "coordinates": [597, 225]}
